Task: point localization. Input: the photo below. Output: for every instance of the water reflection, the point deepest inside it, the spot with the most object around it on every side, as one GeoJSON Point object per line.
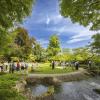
{"type": "Point", "coordinates": [38, 89]}
{"type": "Point", "coordinates": [79, 90]}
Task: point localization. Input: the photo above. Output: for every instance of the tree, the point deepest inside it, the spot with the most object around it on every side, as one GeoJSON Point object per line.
{"type": "Point", "coordinates": [38, 51]}
{"type": "Point", "coordinates": [85, 12]}
{"type": "Point", "coordinates": [5, 40]}
{"type": "Point", "coordinates": [96, 43]}
{"type": "Point", "coordinates": [54, 46]}
{"type": "Point", "coordinates": [22, 44]}
{"type": "Point", "coordinates": [82, 54]}
{"type": "Point", "coordinates": [12, 11]}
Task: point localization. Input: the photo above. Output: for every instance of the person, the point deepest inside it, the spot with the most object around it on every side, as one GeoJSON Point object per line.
{"type": "Point", "coordinates": [1, 67]}
{"type": "Point", "coordinates": [77, 65]}
{"type": "Point", "coordinates": [53, 65]}
{"type": "Point", "coordinates": [67, 64]}
{"type": "Point", "coordinates": [26, 66]}
{"type": "Point", "coordinates": [89, 64]}
{"type": "Point", "coordinates": [13, 67]}
{"type": "Point", "coordinates": [18, 66]}
{"type": "Point", "coordinates": [6, 66]}
{"type": "Point", "coordinates": [10, 67]}
{"type": "Point", "coordinates": [22, 66]}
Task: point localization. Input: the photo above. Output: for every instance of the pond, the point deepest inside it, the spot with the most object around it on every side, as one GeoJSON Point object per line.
{"type": "Point", "coordinates": [76, 90]}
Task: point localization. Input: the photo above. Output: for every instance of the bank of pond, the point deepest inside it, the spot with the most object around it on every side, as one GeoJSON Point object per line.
{"type": "Point", "coordinates": [78, 85]}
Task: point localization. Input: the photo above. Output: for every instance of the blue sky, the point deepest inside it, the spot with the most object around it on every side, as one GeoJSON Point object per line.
{"type": "Point", "coordinates": [46, 20]}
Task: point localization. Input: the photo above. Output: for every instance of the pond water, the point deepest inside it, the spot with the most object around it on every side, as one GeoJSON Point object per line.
{"type": "Point", "coordinates": [78, 90]}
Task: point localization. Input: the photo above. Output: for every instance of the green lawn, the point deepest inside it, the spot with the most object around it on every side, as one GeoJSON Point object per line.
{"type": "Point", "coordinates": [7, 92]}
{"type": "Point", "coordinates": [45, 68]}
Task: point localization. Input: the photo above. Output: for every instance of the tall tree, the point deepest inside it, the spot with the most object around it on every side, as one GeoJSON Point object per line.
{"type": "Point", "coordinates": [11, 11]}
{"type": "Point", "coordinates": [54, 46]}
{"type": "Point", "coordinates": [84, 12]}
{"type": "Point", "coordinates": [23, 44]}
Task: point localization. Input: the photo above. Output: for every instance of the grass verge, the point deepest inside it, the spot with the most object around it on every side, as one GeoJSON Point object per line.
{"type": "Point", "coordinates": [7, 92]}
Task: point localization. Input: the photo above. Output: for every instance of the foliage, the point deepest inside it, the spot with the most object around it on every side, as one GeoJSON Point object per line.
{"type": "Point", "coordinates": [85, 12]}
{"type": "Point", "coordinates": [22, 44]}
{"type": "Point", "coordinates": [82, 54]}
{"type": "Point", "coordinates": [96, 43]}
{"type": "Point", "coordinates": [5, 40]}
{"type": "Point", "coordinates": [11, 12]}
{"type": "Point", "coordinates": [54, 46]}
{"type": "Point", "coordinates": [63, 57]}
{"type": "Point", "coordinates": [31, 58]}
{"type": "Point", "coordinates": [14, 11]}
{"type": "Point", "coordinates": [38, 52]}
{"type": "Point", "coordinates": [7, 92]}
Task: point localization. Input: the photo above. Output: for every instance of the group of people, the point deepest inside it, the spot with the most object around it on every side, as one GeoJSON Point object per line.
{"type": "Point", "coordinates": [15, 66]}
{"type": "Point", "coordinates": [12, 66]}
{"type": "Point", "coordinates": [65, 64]}
{"type": "Point", "coordinates": [75, 64]}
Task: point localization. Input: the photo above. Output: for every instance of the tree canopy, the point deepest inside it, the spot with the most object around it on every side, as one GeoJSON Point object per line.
{"type": "Point", "coordinates": [54, 46]}
{"type": "Point", "coordinates": [85, 12]}
{"type": "Point", "coordinates": [96, 43]}
{"type": "Point", "coordinates": [21, 44]}
{"type": "Point", "coordinates": [12, 11]}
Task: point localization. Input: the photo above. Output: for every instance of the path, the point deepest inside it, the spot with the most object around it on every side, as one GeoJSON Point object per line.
{"type": "Point", "coordinates": [80, 71]}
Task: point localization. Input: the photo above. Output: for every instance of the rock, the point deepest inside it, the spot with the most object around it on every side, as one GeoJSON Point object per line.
{"type": "Point", "coordinates": [20, 86]}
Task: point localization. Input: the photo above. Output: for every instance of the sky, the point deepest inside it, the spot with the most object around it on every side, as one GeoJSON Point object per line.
{"type": "Point", "coordinates": [46, 20]}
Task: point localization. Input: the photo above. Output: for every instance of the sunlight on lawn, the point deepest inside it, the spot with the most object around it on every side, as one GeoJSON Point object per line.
{"type": "Point", "coordinates": [45, 68]}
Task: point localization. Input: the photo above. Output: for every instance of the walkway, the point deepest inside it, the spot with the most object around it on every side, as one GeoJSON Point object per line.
{"type": "Point", "coordinates": [80, 71]}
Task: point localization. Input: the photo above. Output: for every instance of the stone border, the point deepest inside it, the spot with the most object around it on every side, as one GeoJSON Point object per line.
{"type": "Point", "coordinates": [57, 78]}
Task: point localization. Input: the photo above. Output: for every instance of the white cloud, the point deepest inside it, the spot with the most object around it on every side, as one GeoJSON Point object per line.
{"type": "Point", "coordinates": [79, 33]}
{"type": "Point", "coordinates": [74, 40]}
{"type": "Point", "coordinates": [82, 34]}
{"type": "Point", "coordinates": [56, 19]}
{"type": "Point", "coordinates": [53, 18]}
{"type": "Point", "coordinates": [43, 41]}
{"type": "Point", "coordinates": [48, 20]}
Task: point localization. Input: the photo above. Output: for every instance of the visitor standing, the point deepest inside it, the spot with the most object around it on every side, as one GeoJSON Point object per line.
{"type": "Point", "coordinates": [53, 65]}
{"type": "Point", "coordinates": [77, 65]}
{"type": "Point", "coordinates": [13, 67]}
{"type": "Point", "coordinates": [26, 66]}
{"type": "Point", "coordinates": [10, 67]}
{"type": "Point", "coordinates": [22, 65]}
{"type": "Point", "coordinates": [89, 64]}
{"type": "Point", "coordinates": [18, 66]}
{"type": "Point", "coordinates": [1, 67]}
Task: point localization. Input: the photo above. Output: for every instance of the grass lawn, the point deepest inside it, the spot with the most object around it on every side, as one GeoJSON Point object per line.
{"type": "Point", "coordinates": [7, 92]}
{"type": "Point", "coordinates": [45, 68]}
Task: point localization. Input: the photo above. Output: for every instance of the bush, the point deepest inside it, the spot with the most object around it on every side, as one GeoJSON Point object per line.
{"type": "Point", "coordinates": [7, 92]}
